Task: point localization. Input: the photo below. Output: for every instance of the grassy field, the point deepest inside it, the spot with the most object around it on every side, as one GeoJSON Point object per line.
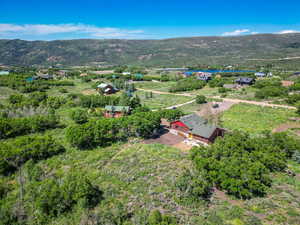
{"type": "Point", "coordinates": [138, 178]}
{"type": "Point", "coordinates": [158, 86]}
{"type": "Point", "coordinates": [161, 101]}
{"type": "Point", "coordinates": [255, 119]}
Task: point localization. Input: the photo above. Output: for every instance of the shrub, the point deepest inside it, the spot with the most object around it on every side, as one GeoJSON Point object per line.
{"type": "Point", "coordinates": [156, 218]}
{"type": "Point", "coordinates": [292, 99]}
{"type": "Point", "coordinates": [271, 91]}
{"type": "Point", "coordinates": [55, 102]}
{"type": "Point", "coordinates": [216, 83]}
{"type": "Point", "coordinates": [63, 90]}
{"type": "Point", "coordinates": [194, 185]}
{"type": "Point", "coordinates": [106, 131]}
{"type": "Point", "coordinates": [241, 165]}
{"type": "Point", "coordinates": [14, 99]}
{"type": "Point", "coordinates": [200, 99]}
{"type": "Point", "coordinates": [58, 195]}
{"type": "Point", "coordinates": [16, 152]}
{"type": "Point", "coordinates": [223, 90]}
{"type": "Point", "coordinates": [188, 84]}
{"type": "Point", "coordinates": [79, 116]}
{"type": "Point", "coordinates": [298, 108]}
{"type": "Point", "coordinates": [12, 127]}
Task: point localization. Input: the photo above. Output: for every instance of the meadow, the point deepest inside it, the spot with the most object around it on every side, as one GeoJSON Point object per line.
{"type": "Point", "coordinates": [254, 119]}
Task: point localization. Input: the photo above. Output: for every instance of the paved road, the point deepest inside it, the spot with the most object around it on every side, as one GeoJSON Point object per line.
{"type": "Point", "coordinates": [224, 99]}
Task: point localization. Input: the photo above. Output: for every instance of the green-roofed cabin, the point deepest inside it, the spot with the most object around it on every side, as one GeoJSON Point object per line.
{"type": "Point", "coordinates": [138, 76]}
{"type": "Point", "coordinates": [195, 127]}
{"type": "Point", "coordinates": [116, 111]}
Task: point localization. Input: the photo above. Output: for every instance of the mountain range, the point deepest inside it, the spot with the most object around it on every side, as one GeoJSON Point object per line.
{"type": "Point", "coordinates": [242, 50]}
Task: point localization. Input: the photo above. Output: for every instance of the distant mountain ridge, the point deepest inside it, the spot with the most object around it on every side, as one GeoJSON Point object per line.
{"type": "Point", "coordinates": [166, 52]}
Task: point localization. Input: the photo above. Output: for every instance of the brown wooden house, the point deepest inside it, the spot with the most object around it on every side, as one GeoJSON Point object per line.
{"type": "Point", "coordinates": [197, 128]}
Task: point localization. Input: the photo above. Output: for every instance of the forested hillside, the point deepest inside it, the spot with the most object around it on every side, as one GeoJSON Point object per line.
{"type": "Point", "coordinates": [169, 52]}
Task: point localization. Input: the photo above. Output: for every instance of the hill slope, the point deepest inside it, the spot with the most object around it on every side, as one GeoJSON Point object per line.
{"type": "Point", "coordinates": [168, 52]}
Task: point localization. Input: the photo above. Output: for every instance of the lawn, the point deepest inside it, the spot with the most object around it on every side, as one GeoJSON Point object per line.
{"type": "Point", "coordinates": [254, 119]}
{"type": "Point", "coordinates": [161, 100]}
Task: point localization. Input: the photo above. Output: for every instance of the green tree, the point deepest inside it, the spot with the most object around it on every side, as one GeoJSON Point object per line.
{"type": "Point", "coordinates": [80, 116]}
{"type": "Point", "coordinates": [200, 99]}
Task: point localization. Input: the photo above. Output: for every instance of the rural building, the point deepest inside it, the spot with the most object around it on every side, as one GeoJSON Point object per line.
{"type": "Point", "coordinates": [126, 73]}
{"type": "Point", "coordinates": [63, 73]}
{"type": "Point", "coordinates": [260, 74]}
{"type": "Point", "coordinates": [197, 128]}
{"type": "Point", "coordinates": [204, 76]}
{"type": "Point", "coordinates": [4, 72]}
{"type": "Point", "coordinates": [106, 88]}
{"type": "Point", "coordinates": [187, 74]}
{"type": "Point", "coordinates": [44, 77]}
{"type": "Point", "coordinates": [287, 83]}
{"type": "Point", "coordinates": [245, 81]}
{"type": "Point", "coordinates": [116, 111]}
{"type": "Point", "coordinates": [138, 76]}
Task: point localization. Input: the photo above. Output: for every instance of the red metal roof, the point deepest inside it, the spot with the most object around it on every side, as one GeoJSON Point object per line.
{"type": "Point", "coordinates": [178, 123]}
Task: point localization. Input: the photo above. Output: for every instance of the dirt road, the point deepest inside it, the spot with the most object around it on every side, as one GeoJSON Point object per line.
{"type": "Point", "coordinates": [256, 103]}
{"type": "Point", "coordinates": [217, 97]}
{"type": "Point", "coordinates": [165, 93]}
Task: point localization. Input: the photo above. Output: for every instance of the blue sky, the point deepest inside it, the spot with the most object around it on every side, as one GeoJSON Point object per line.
{"type": "Point", "coordinates": [145, 19]}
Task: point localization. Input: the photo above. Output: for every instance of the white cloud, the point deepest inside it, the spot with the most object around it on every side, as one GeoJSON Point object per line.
{"type": "Point", "coordinates": [48, 29]}
{"type": "Point", "coordinates": [288, 32]}
{"type": "Point", "coordinates": [236, 32]}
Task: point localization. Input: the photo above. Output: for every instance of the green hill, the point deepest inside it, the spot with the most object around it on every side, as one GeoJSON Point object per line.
{"type": "Point", "coordinates": [169, 52]}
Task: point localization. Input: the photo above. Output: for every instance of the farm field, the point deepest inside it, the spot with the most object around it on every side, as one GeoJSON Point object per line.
{"type": "Point", "coordinates": [255, 119]}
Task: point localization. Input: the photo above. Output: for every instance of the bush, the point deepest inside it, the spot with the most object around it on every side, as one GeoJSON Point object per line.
{"type": "Point", "coordinates": [194, 185]}
{"type": "Point", "coordinates": [63, 90]}
{"type": "Point", "coordinates": [200, 99]}
{"type": "Point", "coordinates": [241, 165]}
{"type": "Point", "coordinates": [292, 99]}
{"type": "Point", "coordinates": [156, 218]}
{"type": "Point", "coordinates": [16, 152]}
{"type": "Point", "coordinates": [58, 195]}
{"type": "Point", "coordinates": [216, 83]}
{"type": "Point", "coordinates": [223, 90]}
{"type": "Point", "coordinates": [298, 108]}
{"type": "Point", "coordinates": [171, 114]}
{"type": "Point", "coordinates": [12, 127]}
{"type": "Point", "coordinates": [187, 84]}
{"type": "Point", "coordinates": [106, 131]}
{"type": "Point", "coordinates": [55, 102]}
{"type": "Point", "coordinates": [79, 116]}
{"type": "Point", "coordinates": [271, 91]}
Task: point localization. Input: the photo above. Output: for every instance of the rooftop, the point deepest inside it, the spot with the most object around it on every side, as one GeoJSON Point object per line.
{"type": "Point", "coordinates": [198, 125]}
{"type": "Point", "coordinates": [112, 108]}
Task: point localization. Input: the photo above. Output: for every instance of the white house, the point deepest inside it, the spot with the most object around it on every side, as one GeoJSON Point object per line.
{"type": "Point", "coordinates": [260, 74]}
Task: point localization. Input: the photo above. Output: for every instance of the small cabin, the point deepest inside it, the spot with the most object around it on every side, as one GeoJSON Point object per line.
{"type": "Point", "coordinates": [245, 81]}
{"type": "Point", "coordinates": [260, 74]}
{"type": "Point", "coordinates": [204, 76]}
{"type": "Point", "coordinates": [116, 111]}
{"type": "Point", "coordinates": [106, 88]}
